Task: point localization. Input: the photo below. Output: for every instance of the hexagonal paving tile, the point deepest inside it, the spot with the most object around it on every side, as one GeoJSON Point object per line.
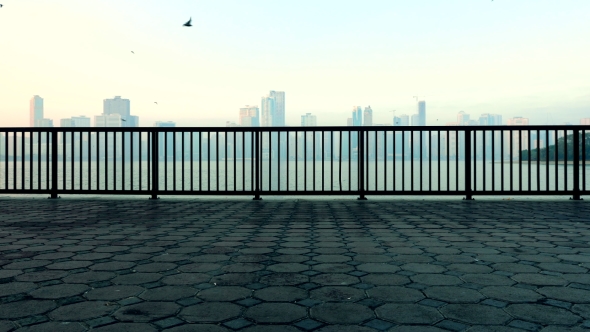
{"type": "Point", "coordinates": [475, 314]}
{"type": "Point", "coordinates": [82, 311]}
{"type": "Point", "coordinates": [281, 294]}
{"type": "Point", "coordinates": [542, 314]}
{"type": "Point", "coordinates": [453, 294]}
{"type": "Point", "coordinates": [224, 293]}
{"type": "Point", "coordinates": [408, 313]}
{"type": "Point", "coordinates": [341, 313]}
{"type": "Point", "coordinates": [210, 312]}
{"type": "Point", "coordinates": [275, 313]}
{"type": "Point", "coordinates": [59, 291]}
{"type": "Point", "coordinates": [19, 309]}
{"type": "Point", "coordinates": [113, 293]}
{"type": "Point", "coordinates": [168, 293]}
{"type": "Point", "coordinates": [395, 294]}
{"type": "Point", "coordinates": [337, 293]}
{"type": "Point", "coordinates": [146, 311]}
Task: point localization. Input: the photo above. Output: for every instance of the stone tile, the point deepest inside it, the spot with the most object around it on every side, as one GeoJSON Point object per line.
{"type": "Point", "coordinates": [395, 294]}
{"type": "Point", "coordinates": [453, 294]}
{"type": "Point", "coordinates": [82, 311]}
{"type": "Point", "coordinates": [281, 294]}
{"type": "Point", "coordinates": [566, 294]}
{"type": "Point", "coordinates": [40, 276]}
{"type": "Point", "coordinates": [182, 278]}
{"type": "Point", "coordinates": [284, 279]}
{"type": "Point", "coordinates": [515, 268]}
{"type": "Point", "coordinates": [383, 279]}
{"type": "Point", "coordinates": [542, 314]}
{"type": "Point", "coordinates": [511, 294]}
{"type": "Point", "coordinates": [275, 313]}
{"type": "Point", "coordinates": [488, 279]}
{"type": "Point", "coordinates": [12, 288]}
{"type": "Point", "coordinates": [436, 279]}
{"type": "Point", "coordinates": [334, 279]}
{"type": "Point", "coordinates": [89, 277]}
{"type": "Point", "coordinates": [112, 293]}
{"type": "Point", "coordinates": [20, 309]}
{"type": "Point", "coordinates": [127, 327]}
{"type": "Point", "coordinates": [337, 294]}
{"type": "Point", "coordinates": [341, 313]}
{"type": "Point", "coordinates": [234, 279]}
{"type": "Point", "coordinates": [402, 313]}
{"type": "Point", "coordinates": [210, 312]}
{"type": "Point", "coordinates": [59, 291]}
{"type": "Point", "coordinates": [168, 293]}
{"type": "Point", "coordinates": [146, 311]}
{"type": "Point", "coordinates": [53, 326]}
{"type": "Point", "coordinates": [224, 293]}
{"type": "Point", "coordinates": [475, 314]}
{"type": "Point", "coordinates": [333, 268]}
{"type": "Point", "coordinates": [539, 279]}
{"type": "Point", "coordinates": [423, 268]}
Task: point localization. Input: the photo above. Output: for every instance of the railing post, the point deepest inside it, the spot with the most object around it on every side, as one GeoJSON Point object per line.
{"type": "Point", "coordinates": [468, 190]}
{"type": "Point", "coordinates": [576, 195]}
{"type": "Point", "coordinates": [155, 163]}
{"type": "Point", "coordinates": [257, 160]}
{"type": "Point", "coordinates": [361, 165]}
{"type": "Point", "coordinates": [54, 159]}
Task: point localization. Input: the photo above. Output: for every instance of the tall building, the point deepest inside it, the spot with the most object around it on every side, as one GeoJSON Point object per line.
{"type": "Point", "coordinates": [165, 140]}
{"type": "Point", "coordinates": [585, 121]}
{"type": "Point", "coordinates": [75, 121]}
{"type": "Point", "coordinates": [402, 120]}
{"type": "Point", "coordinates": [488, 119]}
{"type": "Point", "coordinates": [308, 120]}
{"type": "Point", "coordinates": [249, 116]}
{"type": "Point", "coordinates": [519, 138]}
{"type": "Point", "coordinates": [108, 120]}
{"type": "Point", "coordinates": [421, 114]}
{"type": "Point", "coordinates": [462, 119]}
{"type": "Point", "coordinates": [357, 116]}
{"type": "Point", "coordinates": [368, 116]}
{"type": "Point", "coordinates": [273, 109]}
{"type": "Point", "coordinates": [518, 121]}
{"type": "Point", "coordinates": [35, 111]}
{"type": "Point", "coordinates": [121, 107]}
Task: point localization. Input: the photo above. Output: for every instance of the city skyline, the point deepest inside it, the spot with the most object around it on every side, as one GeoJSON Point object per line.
{"type": "Point", "coordinates": [526, 58]}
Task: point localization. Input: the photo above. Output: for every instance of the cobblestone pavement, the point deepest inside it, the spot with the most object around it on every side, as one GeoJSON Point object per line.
{"type": "Point", "coordinates": [293, 265]}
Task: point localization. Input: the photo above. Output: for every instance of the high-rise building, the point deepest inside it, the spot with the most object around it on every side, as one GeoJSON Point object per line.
{"type": "Point", "coordinates": [165, 140]}
{"type": "Point", "coordinates": [462, 119]}
{"type": "Point", "coordinates": [518, 121]}
{"type": "Point", "coordinates": [421, 114]}
{"type": "Point", "coordinates": [108, 120]}
{"type": "Point", "coordinates": [585, 121]}
{"type": "Point", "coordinates": [519, 138]}
{"type": "Point", "coordinates": [249, 116]}
{"type": "Point", "coordinates": [368, 116]}
{"type": "Point", "coordinates": [308, 120]}
{"type": "Point", "coordinates": [117, 105]}
{"type": "Point", "coordinates": [273, 109]}
{"type": "Point", "coordinates": [75, 121]}
{"type": "Point", "coordinates": [35, 111]}
{"type": "Point", "coordinates": [402, 120]}
{"type": "Point", "coordinates": [121, 107]}
{"type": "Point", "coordinates": [357, 116]}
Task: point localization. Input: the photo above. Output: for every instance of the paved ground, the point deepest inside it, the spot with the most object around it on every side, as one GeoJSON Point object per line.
{"type": "Point", "coordinates": [293, 265]}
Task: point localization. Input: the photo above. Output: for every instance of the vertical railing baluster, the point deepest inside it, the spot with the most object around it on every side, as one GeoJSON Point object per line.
{"type": "Point", "coordinates": [53, 164]}
{"type": "Point", "coordinates": [468, 193]}
{"type": "Point", "coordinates": [576, 165]}
{"type": "Point", "coordinates": [155, 177]}
{"type": "Point", "coordinates": [361, 164]}
{"type": "Point", "coordinates": [258, 145]}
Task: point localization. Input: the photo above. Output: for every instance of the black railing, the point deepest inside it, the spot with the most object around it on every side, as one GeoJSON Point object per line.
{"type": "Point", "coordinates": [437, 160]}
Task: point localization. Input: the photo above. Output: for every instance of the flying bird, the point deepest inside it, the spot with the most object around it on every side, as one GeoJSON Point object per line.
{"type": "Point", "coordinates": [188, 24]}
{"type": "Point", "coordinates": [123, 120]}
{"type": "Point", "coordinates": [155, 102]}
{"type": "Point", "coordinates": [132, 52]}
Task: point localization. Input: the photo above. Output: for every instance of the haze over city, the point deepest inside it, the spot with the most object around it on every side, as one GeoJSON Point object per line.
{"type": "Point", "coordinates": [512, 58]}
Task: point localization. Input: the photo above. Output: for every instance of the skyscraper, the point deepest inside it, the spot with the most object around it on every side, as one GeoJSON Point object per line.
{"type": "Point", "coordinates": [462, 119]}
{"type": "Point", "coordinates": [357, 116]}
{"type": "Point", "coordinates": [35, 111]}
{"type": "Point", "coordinates": [421, 114]}
{"type": "Point", "coordinates": [121, 107]}
{"type": "Point", "coordinates": [249, 116]}
{"type": "Point", "coordinates": [368, 116]}
{"type": "Point", "coordinates": [308, 120]}
{"type": "Point", "coordinates": [273, 109]}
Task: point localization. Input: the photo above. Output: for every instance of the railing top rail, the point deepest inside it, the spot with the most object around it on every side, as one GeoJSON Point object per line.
{"type": "Point", "coordinates": [294, 129]}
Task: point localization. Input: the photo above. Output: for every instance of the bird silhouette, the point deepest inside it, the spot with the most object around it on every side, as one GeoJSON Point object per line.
{"type": "Point", "coordinates": [132, 52]}
{"type": "Point", "coordinates": [188, 24]}
{"type": "Point", "coordinates": [155, 102]}
{"type": "Point", "coordinates": [123, 120]}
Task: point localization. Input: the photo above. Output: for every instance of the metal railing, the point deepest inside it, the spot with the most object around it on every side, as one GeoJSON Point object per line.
{"type": "Point", "coordinates": [380, 160]}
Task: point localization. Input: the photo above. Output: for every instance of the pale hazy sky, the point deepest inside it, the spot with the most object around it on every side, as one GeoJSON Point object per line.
{"type": "Point", "coordinates": [513, 57]}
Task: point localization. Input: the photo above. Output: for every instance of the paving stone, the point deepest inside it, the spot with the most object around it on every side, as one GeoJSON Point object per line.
{"type": "Point", "coordinates": [242, 267]}
{"type": "Point", "coordinates": [337, 293]}
{"type": "Point", "coordinates": [414, 328]}
{"type": "Point", "coordinates": [408, 313]}
{"type": "Point", "coordinates": [542, 314]}
{"type": "Point", "coordinates": [53, 326]}
{"type": "Point", "coordinates": [578, 278]}
{"type": "Point", "coordinates": [566, 294]}
{"type": "Point", "coordinates": [7, 326]}
{"type": "Point", "coordinates": [155, 267]}
{"type": "Point", "coordinates": [20, 309]}
{"type": "Point", "coordinates": [436, 279]}
{"type": "Point", "coordinates": [224, 293]}
{"type": "Point", "coordinates": [493, 328]}
{"type": "Point", "coordinates": [582, 310]}
{"type": "Point", "coordinates": [511, 294]}
{"type": "Point", "coordinates": [12, 288]}
{"type": "Point", "coordinates": [112, 293]}
{"type": "Point", "coordinates": [395, 294]}
{"type": "Point", "coordinates": [333, 268]}
{"type": "Point", "coordinates": [127, 327]}
{"type": "Point", "coordinates": [281, 294]}
{"type": "Point", "coordinates": [488, 279]}
{"type": "Point", "coordinates": [275, 313]}
{"type": "Point", "coordinates": [539, 279]}
{"type": "Point", "coordinates": [284, 279]}
{"type": "Point", "coordinates": [453, 294]}
{"type": "Point", "coordinates": [82, 311]}
{"type": "Point", "coordinates": [561, 267]}
{"type": "Point", "coordinates": [515, 268]}
{"type": "Point", "coordinates": [168, 293]}
{"type": "Point", "coordinates": [345, 328]}
{"type": "Point", "coordinates": [88, 277]}
{"type": "Point", "coordinates": [234, 279]}
{"type": "Point", "coordinates": [334, 279]}
{"type": "Point", "coordinates": [271, 328]}
{"type": "Point", "coordinates": [423, 268]}
{"type": "Point", "coordinates": [475, 314]}
{"type": "Point", "coordinates": [40, 276]}
{"type": "Point", "coordinates": [210, 312]}
{"type": "Point", "coordinates": [146, 311]}
{"type": "Point", "coordinates": [181, 278]}
{"type": "Point", "coordinates": [112, 266]}
{"type": "Point", "coordinates": [341, 313]}
{"type": "Point", "coordinates": [59, 291]}
{"type": "Point", "coordinates": [469, 268]}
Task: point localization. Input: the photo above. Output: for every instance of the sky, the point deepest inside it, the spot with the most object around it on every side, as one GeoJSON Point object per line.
{"type": "Point", "coordinates": [525, 58]}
